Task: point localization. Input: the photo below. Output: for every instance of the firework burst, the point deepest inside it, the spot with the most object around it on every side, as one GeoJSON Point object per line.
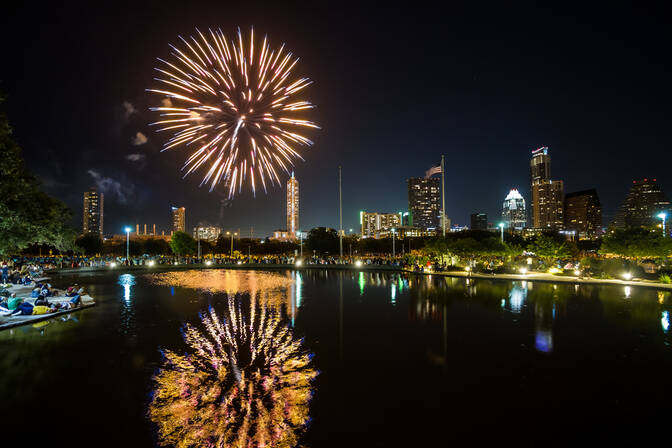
{"type": "Point", "coordinates": [234, 105]}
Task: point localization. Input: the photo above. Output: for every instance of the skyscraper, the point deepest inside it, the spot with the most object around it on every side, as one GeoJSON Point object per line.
{"type": "Point", "coordinates": [292, 205]}
{"type": "Point", "coordinates": [424, 202]}
{"type": "Point", "coordinates": [479, 221]}
{"type": "Point", "coordinates": [514, 214]}
{"type": "Point", "coordinates": [644, 201]}
{"type": "Point", "coordinates": [93, 212]}
{"type": "Point", "coordinates": [540, 165]}
{"type": "Point", "coordinates": [547, 194]}
{"type": "Point", "coordinates": [378, 225]}
{"type": "Point", "coordinates": [178, 218]}
{"type": "Point", "coordinates": [583, 213]}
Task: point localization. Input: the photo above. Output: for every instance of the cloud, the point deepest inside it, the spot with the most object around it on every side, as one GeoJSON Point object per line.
{"type": "Point", "coordinates": [129, 109]}
{"type": "Point", "coordinates": [111, 186]}
{"type": "Point", "coordinates": [135, 157]}
{"type": "Point", "coordinates": [139, 139]}
{"type": "Point", "coordinates": [166, 102]}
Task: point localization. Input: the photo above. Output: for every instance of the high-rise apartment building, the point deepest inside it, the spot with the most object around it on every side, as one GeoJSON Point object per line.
{"type": "Point", "coordinates": [514, 214]}
{"type": "Point", "coordinates": [178, 218]}
{"type": "Point", "coordinates": [292, 205]}
{"type": "Point", "coordinates": [547, 194]}
{"type": "Point", "coordinates": [583, 213]}
{"type": "Point", "coordinates": [424, 202]}
{"type": "Point", "coordinates": [93, 212]}
{"type": "Point", "coordinates": [642, 205]}
{"type": "Point", "coordinates": [378, 225]}
{"type": "Point", "coordinates": [548, 205]}
{"type": "Point", "coordinates": [479, 221]}
{"type": "Point", "coordinates": [208, 233]}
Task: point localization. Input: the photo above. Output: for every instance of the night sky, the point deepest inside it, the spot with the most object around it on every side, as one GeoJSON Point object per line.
{"type": "Point", "coordinates": [395, 89]}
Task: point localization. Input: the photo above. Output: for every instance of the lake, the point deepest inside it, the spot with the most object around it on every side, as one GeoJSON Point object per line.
{"type": "Point", "coordinates": [325, 358]}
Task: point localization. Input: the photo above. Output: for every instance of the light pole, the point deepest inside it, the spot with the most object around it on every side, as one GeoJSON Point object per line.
{"type": "Point", "coordinates": [232, 234]}
{"type": "Point", "coordinates": [128, 238]}
{"type": "Point", "coordinates": [663, 216]}
{"type": "Point", "coordinates": [501, 226]}
{"type": "Point", "coordinates": [300, 235]}
{"type": "Point", "coordinates": [393, 229]}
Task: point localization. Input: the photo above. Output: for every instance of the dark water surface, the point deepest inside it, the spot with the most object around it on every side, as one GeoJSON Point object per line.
{"type": "Point", "coordinates": [388, 360]}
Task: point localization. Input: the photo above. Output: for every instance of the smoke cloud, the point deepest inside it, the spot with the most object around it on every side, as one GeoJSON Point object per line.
{"type": "Point", "coordinates": [111, 186]}
{"type": "Point", "coordinates": [139, 139]}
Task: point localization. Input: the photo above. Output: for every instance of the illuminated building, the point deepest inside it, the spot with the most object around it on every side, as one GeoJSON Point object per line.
{"type": "Point", "coordinates": [378, 225]}
{"type": "Point", "coordinates": [208, 233]}
{"type": "Point", "coordinates": [479, 221]}
{"type": "Point", "coordinates": [644, 201]}
{"type": "Point", "coordinates": [292, 205]}
{"type": "Point", "coordinates": [540, 166]}
{"type": "Point", "coordinates": [93, 212]}
{"type": "Point", "coordinates": [514, 214]}
{"type": "Point", "coordinates": [412, 232]}
{"type": "Point", "coordinates": [424, 203]}
{"type": "Point", "coordinates": [583, 213]}
{"type": "Point", "coordinates": [178, 218]}
{"type": "Point", "coordinates": [547, 194]}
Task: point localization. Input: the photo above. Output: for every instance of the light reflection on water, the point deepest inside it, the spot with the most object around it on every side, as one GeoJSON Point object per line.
{"type": "Point", "coordinates": [246, 380]}
{"type": "Point", "coordinates": [127, 321]}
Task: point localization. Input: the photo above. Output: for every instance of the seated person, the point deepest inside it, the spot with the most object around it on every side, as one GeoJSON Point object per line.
{"type": "Point", "coordinates": [13, 302]}
{"type": "Point", "coordinates": [22, 308]}
{"type": "Point", "coordinates": [75, 301]}
{"type": "Point", "coordinates": [41, 300]}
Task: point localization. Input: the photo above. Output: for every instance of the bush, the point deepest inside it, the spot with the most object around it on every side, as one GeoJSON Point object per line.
{"type": "Point", "coordinates": [664, 278]}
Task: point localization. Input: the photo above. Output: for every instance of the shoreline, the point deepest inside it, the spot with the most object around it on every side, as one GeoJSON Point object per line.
{"type": "Point", "coordinates": [530, 277]}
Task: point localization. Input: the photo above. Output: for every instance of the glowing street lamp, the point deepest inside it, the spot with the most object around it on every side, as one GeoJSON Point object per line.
{"type": "Point", "coordinates": [128, 238]}
{"type": "Point", "coordinates": [501, 226]}
{"type": "Point", "coordinates": [663, 216]}
{"type": "Point", "coordinates": [300, 235]}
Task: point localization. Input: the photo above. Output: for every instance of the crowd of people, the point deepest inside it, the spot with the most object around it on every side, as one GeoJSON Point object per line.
{"type": "Point", "coordinates": [41, 292]}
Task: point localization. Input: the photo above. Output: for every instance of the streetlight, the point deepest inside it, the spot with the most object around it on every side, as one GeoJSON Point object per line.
{"type": "Point", "coordinates": [300, 235]}
{"type": "Point", "coordinates": [232, 234]}
{"type": "Point", "coordinates": [501, 226]}
{"type": "Point", "coordinates": [128, 238]}
{"type": "Point", "coordinates": [663, 216]}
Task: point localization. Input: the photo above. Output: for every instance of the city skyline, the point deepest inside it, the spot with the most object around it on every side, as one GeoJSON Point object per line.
{"type": "Point", "coordinates": [479, 112]}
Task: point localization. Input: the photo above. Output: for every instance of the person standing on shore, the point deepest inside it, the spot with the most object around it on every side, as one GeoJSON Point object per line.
{"type": "Point", "coordinates": [5, 272]}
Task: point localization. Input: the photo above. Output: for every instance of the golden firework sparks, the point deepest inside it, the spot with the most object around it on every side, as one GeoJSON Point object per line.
{"type": "Point", "coordinates": [234, 106]}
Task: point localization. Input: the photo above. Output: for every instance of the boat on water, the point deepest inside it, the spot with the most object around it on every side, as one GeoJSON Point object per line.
{"type": "Point", "coordinates": [9, 320]}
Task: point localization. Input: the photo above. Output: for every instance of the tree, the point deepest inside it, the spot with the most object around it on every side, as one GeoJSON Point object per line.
{"type": "Point", "coordinates": [29, 216]}
{"type": "Point", "coordinates": [182, 243]}
{"type": "Point", "coordinates": [322, 239]}
{"type": "Point", "coordinates": [550, 248]}
{"type": "Point", "coordinates": [636, 242]}
{"type": "Point", "coordinates": [91, 243]}
{"type": "Point", "coordinates": [156, 246]}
